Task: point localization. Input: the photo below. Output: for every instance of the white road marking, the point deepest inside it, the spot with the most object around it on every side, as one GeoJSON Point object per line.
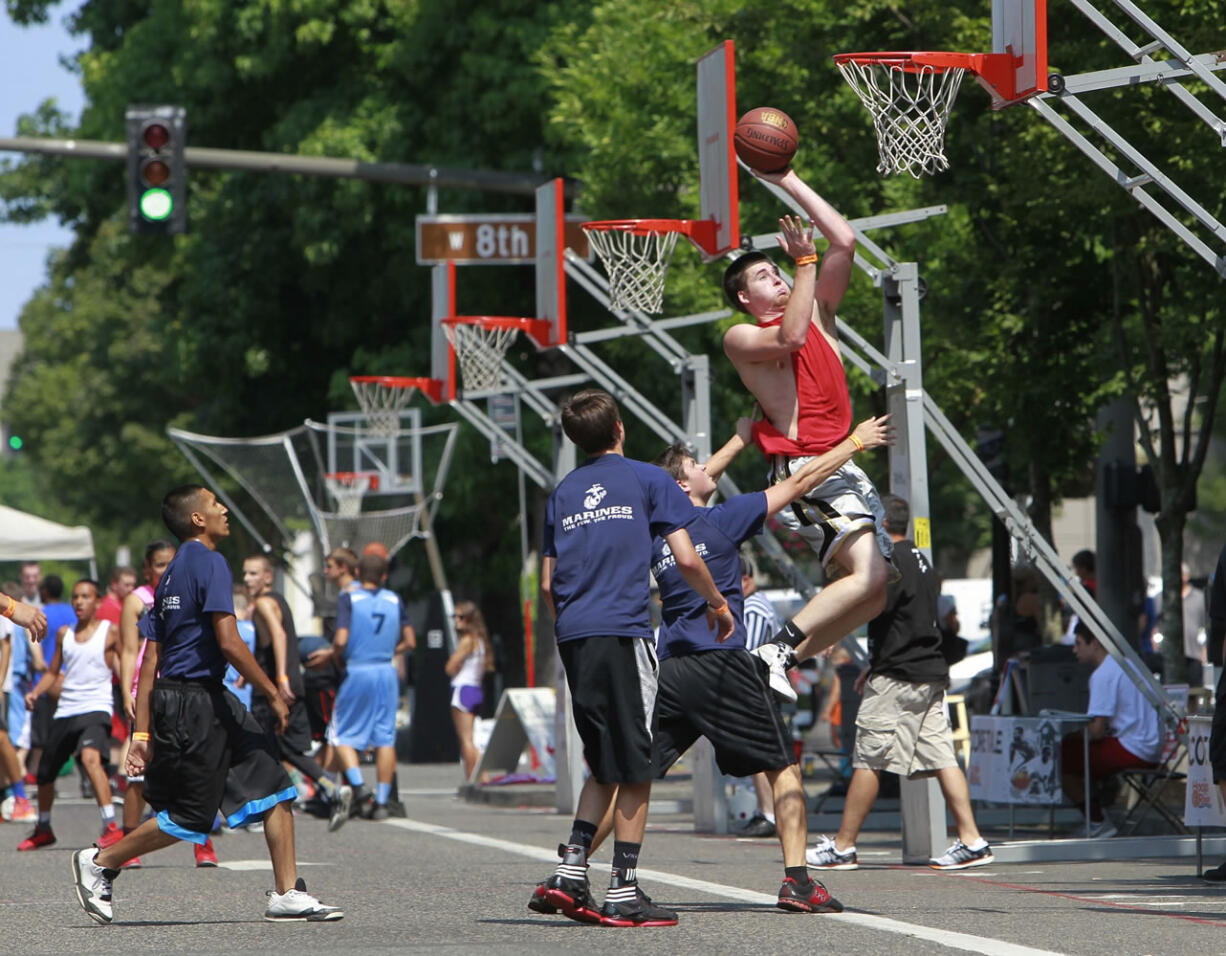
{"type": "Point", "coordinates": [954, 940]}
{"type": "Point", "coordinates": [261, 864]}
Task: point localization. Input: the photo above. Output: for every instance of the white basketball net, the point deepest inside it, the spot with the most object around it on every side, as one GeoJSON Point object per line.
{"type": "Point", "coordinates": [910, 108]}
{"type": "Point", "coordinates": [480, 349]}
{"type": "Point", "coordinates": [636, 266]}
{"type": "Point", "coordinates": [348, 492]}
{"type": "Point", "coordinates": [381, 404]}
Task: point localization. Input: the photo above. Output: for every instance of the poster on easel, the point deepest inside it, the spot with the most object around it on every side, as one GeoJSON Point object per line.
{"type": "Point", "coordinates": [1203, 804]}
{"type": "Point", "coordinates": [1015, 760]}
{"type": "Point", "coordinates": [524, 718]}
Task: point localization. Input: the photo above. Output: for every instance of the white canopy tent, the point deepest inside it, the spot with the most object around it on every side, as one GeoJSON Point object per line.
{"type": "Point", "coordinates": [27, 537]}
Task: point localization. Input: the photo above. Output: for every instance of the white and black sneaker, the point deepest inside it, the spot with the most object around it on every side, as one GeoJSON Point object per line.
{"type": "Point", "coordinates": [93, 884]}
{"type": "Point", "coordinates": [778, 657]}
{"type": "Point", "coordinates": [827, 856]}
{"type": "Point", "coordinates": [297, 905]}
{"type": "Point", "coordinates": [960, 856]}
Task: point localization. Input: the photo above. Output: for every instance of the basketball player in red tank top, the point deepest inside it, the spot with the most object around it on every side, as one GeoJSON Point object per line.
{"type": "Point", "coordinates": [789, 359]}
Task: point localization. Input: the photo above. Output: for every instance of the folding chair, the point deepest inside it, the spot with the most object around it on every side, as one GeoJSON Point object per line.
{"type": "Point", "coordinates": [1150, 786]}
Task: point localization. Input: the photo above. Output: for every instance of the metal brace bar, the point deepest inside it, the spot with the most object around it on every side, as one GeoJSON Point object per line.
{"type": "Point", "coordinates": [1140, 195]}
{"type": "Point", "coordinates": [1146, 71]}
{"type": "Point", "coordinates": [515, 451]}
{"type": "Point", "coordinates": [1173, 46]}
{"type": "Point", "coordinates": [1105, 130]}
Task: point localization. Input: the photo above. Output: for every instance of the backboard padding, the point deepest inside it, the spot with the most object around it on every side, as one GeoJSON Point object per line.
{"type": "Point", "coordinates": [717, 167]}
{"type": "Point", "coordinates": [1019, 29]}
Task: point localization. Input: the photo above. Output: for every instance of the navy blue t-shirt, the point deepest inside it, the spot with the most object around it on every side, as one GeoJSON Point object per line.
{"type": "Point", "coordinates": [717, 534]}
{"type": "Point", "coordinates": [598, 525]}
{"type": "Point", "coordinates": [196, 585]}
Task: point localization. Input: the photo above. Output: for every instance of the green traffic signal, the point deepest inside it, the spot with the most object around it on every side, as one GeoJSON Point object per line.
{"type": "Point", "coordinates": [15, 442]}
{"type": "Point", "coordinates": [156, 205]}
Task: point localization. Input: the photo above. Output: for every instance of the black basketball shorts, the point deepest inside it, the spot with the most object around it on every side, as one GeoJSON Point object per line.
{"type": "Point", "coordinates": [723, 695]}
{"type": "Point", "coordinates": [209, 753]}
{"type": "Point", "coordinates": [612, 683]}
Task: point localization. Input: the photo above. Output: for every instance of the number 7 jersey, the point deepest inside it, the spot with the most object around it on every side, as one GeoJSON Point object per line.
{"type": "Point", "coordinates": [374, 620]}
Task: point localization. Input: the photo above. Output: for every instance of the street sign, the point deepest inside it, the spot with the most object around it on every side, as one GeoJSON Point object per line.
{"type": "Point", "coordinates": [506, 239]}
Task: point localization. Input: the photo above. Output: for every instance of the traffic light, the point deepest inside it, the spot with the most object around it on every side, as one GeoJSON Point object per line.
{"type": "Point", "coordinates": [157, 169]}
{"type": "Point", "coordinates": [11, 441]}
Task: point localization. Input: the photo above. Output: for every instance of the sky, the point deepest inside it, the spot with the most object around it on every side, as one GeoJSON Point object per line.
{"type": "Point", "coordinates": [30, 72]}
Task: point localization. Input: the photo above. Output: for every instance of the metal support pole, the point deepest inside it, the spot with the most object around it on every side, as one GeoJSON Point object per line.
{"type": "Point", "coordinates": [568, 757]}
{"type": "Point", "coordinates": [923, 806]}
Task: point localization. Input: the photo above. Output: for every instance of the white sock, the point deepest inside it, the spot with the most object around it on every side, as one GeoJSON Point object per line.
{"type": "Point", "coordinates": [108, 813]}
{"type": "Point", "coordinates": [770, 817]}
{"type": "Point", "coordinates": [978, 844]}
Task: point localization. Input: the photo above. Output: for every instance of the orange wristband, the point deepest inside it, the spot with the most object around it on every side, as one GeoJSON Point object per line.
{"type": "Point", "coordinates": [806, 260]}
{"type": "Point", "coordinates": [717, 610]}
{"type": "Point", "coordinates": [855, 440]}
{"type": "Point", "coordinates": [12, 606]}
{"type": "Point", "coordinates": [139, 735]}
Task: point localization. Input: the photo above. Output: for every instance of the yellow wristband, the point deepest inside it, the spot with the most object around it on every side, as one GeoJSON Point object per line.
{"type": "Point", "coordinates": [140, 735]}
{"type": "Point", "coordinates": [855, 440]}
{"type": "Point", "coordinates": [12, 606]}
{"type": "Point", "coordinates": [806, 260]}
{"type": "Point", "coordinates": [284, 678]}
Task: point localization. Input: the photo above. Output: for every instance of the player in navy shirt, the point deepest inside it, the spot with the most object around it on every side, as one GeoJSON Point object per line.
{"type": "Point", "coordinates": [198, 747]}
{"type": "Point", "coordinates": [719, 690]}
{"type": "Point", "coordinates": [598, 529]}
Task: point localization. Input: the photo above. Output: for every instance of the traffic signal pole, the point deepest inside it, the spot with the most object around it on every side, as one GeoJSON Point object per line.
{"type": "Point", "coordinates": [199, 157]}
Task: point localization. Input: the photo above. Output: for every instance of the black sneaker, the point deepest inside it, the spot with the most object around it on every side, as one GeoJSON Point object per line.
{"type": "Point", "coordinates": [1216, 875]}
{"type": "Point", "coordinates": [380, 812]}
{"type": "Point", "coordinates": [627, 905]}
{"type": "Point", "coordinates": [537, 902]}
{"type": "Point", "coordinates": [758, 826]}
{"type": "Point", "coordinates": [568, 889]}
{"type": "Point", "coordinates": [810, 897]}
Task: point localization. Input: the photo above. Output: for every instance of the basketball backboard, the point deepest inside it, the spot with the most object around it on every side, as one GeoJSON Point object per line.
{"type": "Point", "coordinates": [395, 459]}
{"type": "Point", "coordinates": [717, 169]}
{"type": "Point", "coordinates": [550, 267]}
{"type": "Point", "coordinates": [1019, 30]}
{"type": "Point", "coordinates": [442, 305]}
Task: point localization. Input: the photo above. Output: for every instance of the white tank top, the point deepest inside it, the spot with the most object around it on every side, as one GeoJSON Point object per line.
{"type": "Point", "coordinates": [87, 678]}
{"type": "Point", "coordinates": [472, 671]}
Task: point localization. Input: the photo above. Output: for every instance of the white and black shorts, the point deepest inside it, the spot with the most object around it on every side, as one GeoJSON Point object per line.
{"type": "Point", "coordinates": [68, 736]}
{"type": "Point", "coordinates": [725, 696]}
{"type": "Point", "coordinates": [209, 753]}
{"type": "Point", "coordinates": [844, 503]}
{"type": "Point", "coordinates": [612, 684]}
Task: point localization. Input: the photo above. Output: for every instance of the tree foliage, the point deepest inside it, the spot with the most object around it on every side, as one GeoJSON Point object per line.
{"type": "Point", "coordinates": [1050, 291]}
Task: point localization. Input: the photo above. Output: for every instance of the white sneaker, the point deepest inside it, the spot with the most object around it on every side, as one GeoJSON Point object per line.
{"type": "Point", "coordinates": [827, 856]}
{"type": "Point", "coordinates": [777, 656]}
{"type": "Point", "coordinates": [93, 885]}
{"type": "Point", "coordinates": [298, 904]}
{"type": "Point", "coordinates": [341, 805]}
{"type": "Point", "coordinates": [1102, 830]}
{"type": "Point", "coordinates": [960, 856]}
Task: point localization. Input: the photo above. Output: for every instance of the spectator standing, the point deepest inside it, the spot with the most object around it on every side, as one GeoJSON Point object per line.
{"type": "Point", "coordinates": [31, 578]}
{"type": "Point", "coordinates": [1193, 629]}
{"type": "Point", "coordinates": [467, 666]}
{"type": "Point", "coordinates": [903, 722]}
{"type": "Point", "coordinates": [122, 583]}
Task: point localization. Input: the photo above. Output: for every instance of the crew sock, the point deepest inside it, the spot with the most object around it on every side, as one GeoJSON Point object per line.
{"type": "Point", "coordinates": [798, 873]}
{"type": "Point", "coordinates": [791, 635]}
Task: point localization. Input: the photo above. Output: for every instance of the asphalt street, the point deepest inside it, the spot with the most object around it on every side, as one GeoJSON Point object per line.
{"type": "Point", "coordinates": [455, 877]}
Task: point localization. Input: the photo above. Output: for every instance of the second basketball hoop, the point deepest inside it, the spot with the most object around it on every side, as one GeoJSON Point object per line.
{"type": "Point", "coordinates": [480, 343]}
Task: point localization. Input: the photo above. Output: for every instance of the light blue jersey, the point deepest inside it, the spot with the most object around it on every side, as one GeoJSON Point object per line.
{"type": "Point", "coordinates": [246, 630]}
{"type": "Point", "coordinates": [374, 620]}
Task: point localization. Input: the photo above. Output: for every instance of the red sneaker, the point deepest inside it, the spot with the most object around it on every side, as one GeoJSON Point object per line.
{"type": "Point", "coordinates": [132, 864]}
{"type": "Point", "coordinates": [111, 834]}
{"type": "Point", "coordinates": [205, 855]}
{"type": "Point", "coordinates": [40, 837]}
{"type": "Point", "coordinates": [29, 779]}
{"type": "Point", "coordinates": [810, 897]}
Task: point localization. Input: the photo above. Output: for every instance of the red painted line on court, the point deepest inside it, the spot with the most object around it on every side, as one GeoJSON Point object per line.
{"type": "Point", "coordinates": [1088, 899]}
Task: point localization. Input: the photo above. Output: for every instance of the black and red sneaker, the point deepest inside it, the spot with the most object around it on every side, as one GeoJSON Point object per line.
{"type": "Point", "coordinates": [809, 897]}
{"type": "Point", "coordinates": [627, 905]}
{"type": "Point", "coordinates": [538, 904]}
{"type": "Point", "coordinates": [568, 889]}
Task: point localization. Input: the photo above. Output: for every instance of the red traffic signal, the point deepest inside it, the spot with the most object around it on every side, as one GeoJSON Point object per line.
{"type": "Point", "coordinates": [155, 136]}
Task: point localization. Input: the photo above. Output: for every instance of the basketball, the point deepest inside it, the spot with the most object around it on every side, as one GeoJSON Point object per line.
{"type": "Point", "coordinates": [765, 139]}
{"type": "Point", "coordinates": [376, 547]}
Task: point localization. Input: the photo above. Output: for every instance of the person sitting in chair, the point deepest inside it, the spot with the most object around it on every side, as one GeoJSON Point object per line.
{"type": "Point", "coordinates": [1124, 730]}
